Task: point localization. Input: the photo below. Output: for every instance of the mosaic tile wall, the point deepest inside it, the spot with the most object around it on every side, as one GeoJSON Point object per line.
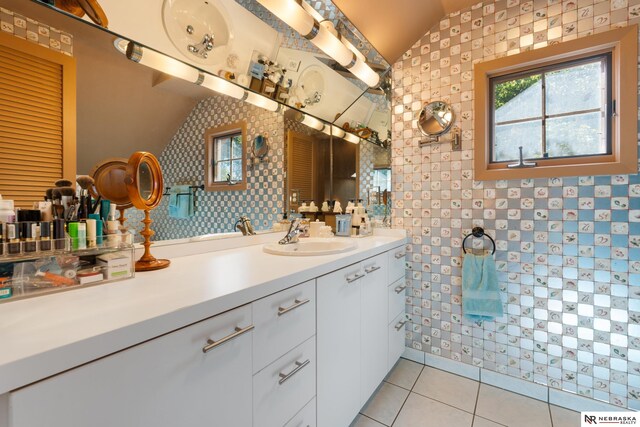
{"type": "Point", "coordinates": [568, 255]}
{"type": "Point", "coordinates": [182, 162]}
{"type": "Point", "coordinates": [33, 31]}
{"type": "Point", "coordinates": [370, 156]}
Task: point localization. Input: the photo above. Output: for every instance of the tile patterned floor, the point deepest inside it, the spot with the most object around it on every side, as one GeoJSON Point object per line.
{"type": "Point", "coordinates": [414, 395]}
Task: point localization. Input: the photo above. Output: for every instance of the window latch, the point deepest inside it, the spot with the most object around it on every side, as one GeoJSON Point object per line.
{"type": "Point", "coordinates": [521, 163]}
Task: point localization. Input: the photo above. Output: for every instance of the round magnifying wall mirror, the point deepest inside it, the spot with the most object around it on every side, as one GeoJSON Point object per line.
{"type": "Point", "coordinates": [435, 119]}
{"type": "Point", "coordinates": [145, 186]}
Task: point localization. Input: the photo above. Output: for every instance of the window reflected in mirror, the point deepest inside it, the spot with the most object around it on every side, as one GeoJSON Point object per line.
{"type": "Point", "coordinates": [226, 157]}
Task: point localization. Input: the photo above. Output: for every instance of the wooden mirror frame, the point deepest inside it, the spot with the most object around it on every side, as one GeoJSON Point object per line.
{"type": "Point", "coordinates": [147, 262]}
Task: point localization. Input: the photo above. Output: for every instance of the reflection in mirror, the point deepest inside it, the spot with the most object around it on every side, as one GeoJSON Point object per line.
{"type": "Point", "coordinates": [123, 106]}
{"type": "Point", "coordinates": [145, 181]}
{"type": "Point", "coordinates": [435, 119]}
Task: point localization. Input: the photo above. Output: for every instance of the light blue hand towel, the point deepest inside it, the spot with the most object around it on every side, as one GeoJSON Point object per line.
{"type": "Point", "coordinates": [180, 202]}
{"type": "Point", "coordinates": [480, 290]}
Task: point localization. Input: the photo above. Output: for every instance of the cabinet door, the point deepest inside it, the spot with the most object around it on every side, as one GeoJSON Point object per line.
{"type": "Point", "coordinates": [338, 348]}
{"type": "Point", "coordinates": [169, 381]}
{"type": "Point", "coordinates": [396, 339]}
{"type": "Point", "coordinates": [373, 321]}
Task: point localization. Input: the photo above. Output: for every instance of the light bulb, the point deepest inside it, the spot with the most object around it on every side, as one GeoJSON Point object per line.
{"type": "Point", "coordinates": [365, 73]}
{"type": "Point", "coordinates": [160, 62]}
{"type": "Point", "coordinates": [349, 137]}
{"type": "Point", "coordinates": [333, 130]}
{"type": "Point", "coordinates": [220, 85]}
{"type": "Point", "coordinates": [291, 13]}
{"type": "Point", "coordinates": [261, 101]}
{"type": "Point", "coordinates": [327, 42]}
{"type": "Point", "coordinates": [311, 121]}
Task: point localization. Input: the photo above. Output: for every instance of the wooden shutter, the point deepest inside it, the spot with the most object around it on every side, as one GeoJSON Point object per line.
{"type": "Point", "coordinates": [300, 167]}
{"type": "Point", "coordinates": [37, 119]}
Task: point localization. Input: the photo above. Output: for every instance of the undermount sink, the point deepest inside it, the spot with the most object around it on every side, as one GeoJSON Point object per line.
{"type": "Point", "coordinates": [311, 246]}
{"type": "Point", "coordinates": [199, 29]}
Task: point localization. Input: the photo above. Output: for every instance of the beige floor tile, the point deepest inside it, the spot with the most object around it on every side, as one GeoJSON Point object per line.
{"type": "Point", "coordinates": [481, 422]}
{"type": "Point", "coordinates": [385, 404]}
{"type": "Point", "coordinates": [447, 388]}
{"type": "Point", "coordinates": [511, 409]}
{"type": "Point", "coordinates": [420, 411]}
{"type": "Point", "coordinates": [362, 421]}
{"type": "Point", "coordinates": [405, 373]}
{"type": "Point", "coordinates": [563, 417]}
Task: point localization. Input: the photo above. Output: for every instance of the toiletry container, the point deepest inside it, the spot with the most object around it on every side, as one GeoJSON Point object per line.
{"type": "Point", "coordinates": [7, 214]}
{"type": "Point", "coordinates": [314, 228]}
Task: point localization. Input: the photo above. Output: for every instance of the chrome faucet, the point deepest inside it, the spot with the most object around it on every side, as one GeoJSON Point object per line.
{"type": "Point", "coordinates": [294, 232]}
{"type": "Point", "coordinates": [244, 225]}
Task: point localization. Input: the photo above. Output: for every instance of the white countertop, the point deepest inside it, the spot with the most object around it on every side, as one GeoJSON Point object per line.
{"type": "Point", "coordinates": [46, 335]}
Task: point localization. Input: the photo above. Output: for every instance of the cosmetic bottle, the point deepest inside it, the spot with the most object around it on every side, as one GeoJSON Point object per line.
{"type": "Point", "coordinates": [27, 233]}
{"type": "Point", "coordinates": [45, 236]}
{"type": "Point", "coordinates": [82, 235]}
{"type": "Point", "coordinates": [73, 233]}
{"type": "Point", "coordinates": [99, 228]}
{"type": "Point", "coordinates": [1, 239]}
{"type": "Point", "coordinates": [58, 234]}
{"type": "Point", "coordinates": [91, 233]}
{"type": "Point", "coordinates": [7, 214]}
{"type": "Point", "coordinates": [112, 222]}
{"type": "Point", "coordinates": [13, 248]}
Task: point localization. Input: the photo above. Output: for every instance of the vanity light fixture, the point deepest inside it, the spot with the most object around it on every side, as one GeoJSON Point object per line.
{"type": "Point", "coordinates": [163, 63]}
{"type": "Point", "coordinates": [307, 24]}
{"type": "Point", "coordinates": [168, 65]}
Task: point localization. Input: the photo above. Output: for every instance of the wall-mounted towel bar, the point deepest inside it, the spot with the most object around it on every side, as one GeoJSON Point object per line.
{"type": "Point", "coordinates": [478, 232]}
{"type": "Point", "coordinates": [192, 187]}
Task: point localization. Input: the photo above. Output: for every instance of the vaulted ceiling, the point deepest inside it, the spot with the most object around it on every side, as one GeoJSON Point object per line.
{"type": "Point", "coordinates": [393, 26]}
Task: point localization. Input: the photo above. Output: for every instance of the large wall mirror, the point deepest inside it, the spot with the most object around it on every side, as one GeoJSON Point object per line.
{"type": "Point", "coordinates": [124, 107]}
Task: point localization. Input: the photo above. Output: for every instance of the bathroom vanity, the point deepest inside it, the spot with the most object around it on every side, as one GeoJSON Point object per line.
{"type": "Point", "coordinates": [232, 336]}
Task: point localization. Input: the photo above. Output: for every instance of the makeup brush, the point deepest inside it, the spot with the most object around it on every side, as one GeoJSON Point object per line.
{"type": "Point", "coordinates": [63, 183]}
{"type": "Point", "coordinates": [85, 182]}
{"type": "Point", "coordinates": [58, 209]}
{"type": "Point", "coordinates": [48, 195]}
{"type": "Point", "coordinates": [67, 194]}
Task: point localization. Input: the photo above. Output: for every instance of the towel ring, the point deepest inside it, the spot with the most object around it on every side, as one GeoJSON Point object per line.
{"type": "Point", "coordinates": [478, 232]}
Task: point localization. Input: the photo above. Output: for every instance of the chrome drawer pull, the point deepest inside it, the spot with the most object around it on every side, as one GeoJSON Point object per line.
{"type": "Point", "coordinates": [400, 255]}
{"type": "Point", "coordinates": [400, 289]}
{"type": "Point", "coordinates": [297, 303]}
{"type": "Point", "coordinates": [372, 269]}
{"type": "Point", "coordinates": [211, 344]}
{"type": "Point", "coordinates": [354, 278]}
{"type": "Point", "coordinates": [285, 377]}
{"type": "Point", "coordinates": [400, 325]}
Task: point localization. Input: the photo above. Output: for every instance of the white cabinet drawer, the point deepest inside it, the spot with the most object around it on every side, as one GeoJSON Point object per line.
{"type": "Point", "coordinates": [397, 292]}
{"type": "Point", "coordinates": [306, 417]}
{"type": "Point", "coordinates": [396, 339]}
{"type": "Point", "coordinates": [396, 263]}
{"type": "Point", "coordinates": [283, 388]}
{"type": "Point", "coordinates": [166, 382]}
{"type": "Point", "coordinates": [283, 321]}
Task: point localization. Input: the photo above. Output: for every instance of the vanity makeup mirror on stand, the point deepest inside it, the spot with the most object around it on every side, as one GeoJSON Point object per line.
{"type": "Point", "coordinates": [145, 187]}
